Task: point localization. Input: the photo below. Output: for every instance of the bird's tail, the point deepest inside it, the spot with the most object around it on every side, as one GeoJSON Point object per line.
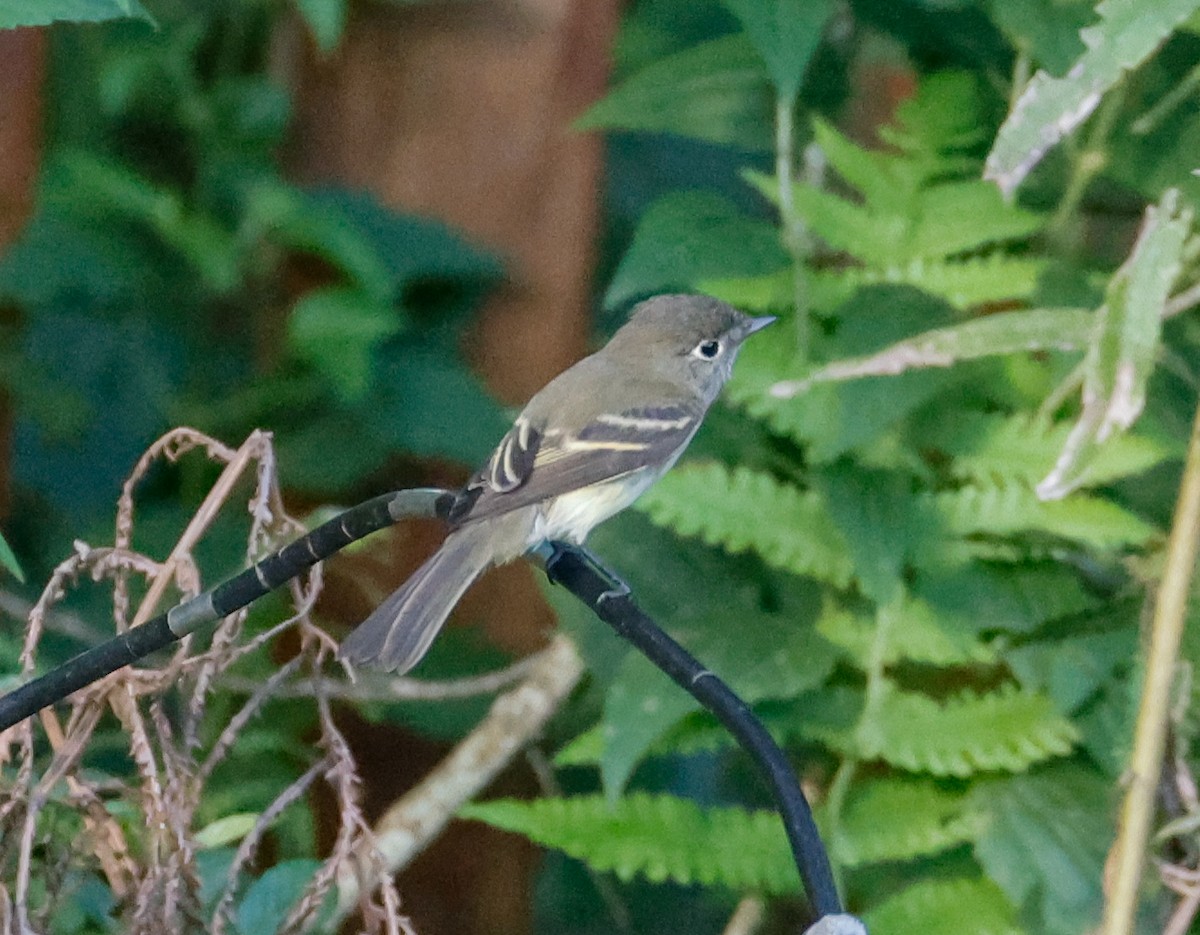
{"type": "Point", "coordinates": [400, 630]}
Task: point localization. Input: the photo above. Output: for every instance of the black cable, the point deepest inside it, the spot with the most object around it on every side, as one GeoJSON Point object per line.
{"type": "Point", "coordinates": [609, 598]}
{"type": "Point", "coordinates": [227, 597]}
{"type": "Point", "coordinates": [573, 568]}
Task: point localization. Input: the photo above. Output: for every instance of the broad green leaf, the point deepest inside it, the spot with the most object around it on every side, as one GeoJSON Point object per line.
{"type": "Point", "coordinates": [1063, 329]}
{"type": "Point", "coordinates": [1124, 345]}
{"type": "Point", "coordinates": [8, 560]}
{"type": "Point", "coordinates": [1050, 108]}
{"type": "Point", "coordinates": [326, 19]}
{"type": "Point", "coordinates": [1046, 30]}
{"type": "Point", "coordinates": [980, 598]}
{"type": "Point", "coordinates": [226, 830]}
{"type": "Point", "coordinates": [1072, 670]}
{"type": "Point", "coordinates": [1045, 844]}
{"type": "Point", "coordinates": [873, 512]}
{"type": "Point", "coordinates": [657, 838]}
{"type": "Point", "coordinates": [900, 819]}
{"type": "Point", "coordinates": [785, 33]}
{"type": "Point", "coordinates": [718, 91]}
{"type": "Point", "coordinates": [336, 329]}
{"type": "Point", "coordinates": [17, 13]}
{"type": "Point", "coordinates": [1006, 729]}
{"type": "Point", "coordinates": [269, 898]}
{"type": "Point", "coordinates": [685, 237]}
{"type": "Point", "coordinates": [953, 906]}
{"type": "Point", "coordinates": [725, 507]}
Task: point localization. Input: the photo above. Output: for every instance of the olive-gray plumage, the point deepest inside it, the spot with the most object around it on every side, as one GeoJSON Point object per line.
{"type": "Point", "coordinates": [585, 447]}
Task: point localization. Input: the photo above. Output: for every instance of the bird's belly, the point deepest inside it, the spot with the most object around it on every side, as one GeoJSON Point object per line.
{"type": "Point", "coordinates": [571, 516]}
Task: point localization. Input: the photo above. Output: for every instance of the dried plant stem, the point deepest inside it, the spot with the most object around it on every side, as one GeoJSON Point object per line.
{"type": "Point", "coordinates": [515, 718]}
{"type": "Point", "coordinates": [1149, 743]}
{"type": "Point", "coordinates": [748, 917]}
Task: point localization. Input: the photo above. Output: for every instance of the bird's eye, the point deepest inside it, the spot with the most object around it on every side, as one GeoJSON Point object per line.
{"type": "Point", "coordinates": [707, 349]}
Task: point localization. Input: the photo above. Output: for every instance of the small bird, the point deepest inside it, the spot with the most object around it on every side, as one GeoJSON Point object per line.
{"type": "Point", "coordinates": [585, 447]}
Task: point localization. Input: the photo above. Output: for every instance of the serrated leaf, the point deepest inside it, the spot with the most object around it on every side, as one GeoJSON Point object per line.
{"type": "Point", "coordinates": [785, 33]}
{"type": "Point", "coordinates": [965, 283]}
{"type": "Point", "coordinates": [1039, 329]}
{"type": "Point", "coordinates": [1050, 108]}
{"type": "Point", "coordinates": [685, 237]}
{"type": "Point", "coordinates": [996, 448]}
{"type": "Point", "coordinates": [722, 506]}
{"type": "Point", "coordinates": [1124, 345]}
{"type": "Point", "coordinates": [917, 634]}
{"type": "Point", "coordinates": [658, 838]}
{"type": "Point", "coordinates": [1045, 844]}
{"type": "Point", "coordinates": [900, 819]}
{"type": "Point", "coordinates": [1011, 509]}
{"type": "Point", "coordinates": [956, 217]}
{"type": "Point", "coordinates": [962, 906]}
{"type": "Point", "coordinates": [18, 13]}
{"type": "Point", "coordinates": [1007, 729]}
{"type": "Point", "coordinates": [718, 91]}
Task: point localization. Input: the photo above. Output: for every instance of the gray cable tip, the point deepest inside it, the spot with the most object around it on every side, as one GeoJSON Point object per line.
{"type": "Point", "coordinates": [837, 925]}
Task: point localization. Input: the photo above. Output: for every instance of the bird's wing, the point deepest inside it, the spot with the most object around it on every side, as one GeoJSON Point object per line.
{"type": "Point", "coordinates": [530, 464]}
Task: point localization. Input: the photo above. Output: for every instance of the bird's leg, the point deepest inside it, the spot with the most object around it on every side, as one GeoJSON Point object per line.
{"type": "Point", "coordinates": [551, 552]}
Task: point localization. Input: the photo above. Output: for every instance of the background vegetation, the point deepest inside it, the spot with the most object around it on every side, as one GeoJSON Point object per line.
{"type": "Point", "coordinates": [922, 537]}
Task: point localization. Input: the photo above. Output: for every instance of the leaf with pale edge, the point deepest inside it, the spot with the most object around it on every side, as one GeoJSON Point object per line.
{"type": "Point", "coordinates": [1006, 729]}
{"type": "Point", "coordinates": [726, 506]}
{"type": "Point", "coordinates": [901, 819]}
{"type": "Point", "coordinates": [1124, 343]}
{"type": "Point", "coordinates": [658, 838]}
{"type": "Point", "coordinates": [1050, 108]}
{"type": "Point", "coordinates": [956, 906]}
{"type": "Point", "coordinates": [1039, 329]}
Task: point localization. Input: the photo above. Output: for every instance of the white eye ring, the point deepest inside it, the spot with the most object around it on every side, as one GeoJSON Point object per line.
{"type": "Point", "coordinates": [708, 350]}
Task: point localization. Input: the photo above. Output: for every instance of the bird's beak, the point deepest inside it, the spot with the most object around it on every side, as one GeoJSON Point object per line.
{"type": "Point", "coordinates": [757, 324]}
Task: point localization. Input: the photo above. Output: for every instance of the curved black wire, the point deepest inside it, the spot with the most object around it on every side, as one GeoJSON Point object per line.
{"type": "Point", "coordinates": [575, 569]}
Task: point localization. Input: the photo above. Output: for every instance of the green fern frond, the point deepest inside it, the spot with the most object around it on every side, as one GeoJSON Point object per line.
{"type": "Point", "coordinates": [964, 283]}
{"type": "Point", "coordinates": [743, 510]}
{"type": "Point", "coordinates": [917, 634]}
{"type": "Point", "coordinates": [657, 837]}
{"type": "Point", "coordinates": [963, 906]}
{"type": "Point", "coordinates": [1010, 509]}
{"type": "Point", "coordinates": [1007, 729]}
{"type": "Point", "coordinates": [899, 819]}
{"type": "Point", "coordinates": [1006, 448]}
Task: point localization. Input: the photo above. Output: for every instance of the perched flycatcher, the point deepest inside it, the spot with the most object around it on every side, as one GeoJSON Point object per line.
{"type": "Point", "coordinates": [584, 448]}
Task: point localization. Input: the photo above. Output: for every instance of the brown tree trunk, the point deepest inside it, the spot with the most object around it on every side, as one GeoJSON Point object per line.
{"type": "Point", "coordinates": [462, 112]}
{"type": "Point", "coordinates": [22, 70]}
